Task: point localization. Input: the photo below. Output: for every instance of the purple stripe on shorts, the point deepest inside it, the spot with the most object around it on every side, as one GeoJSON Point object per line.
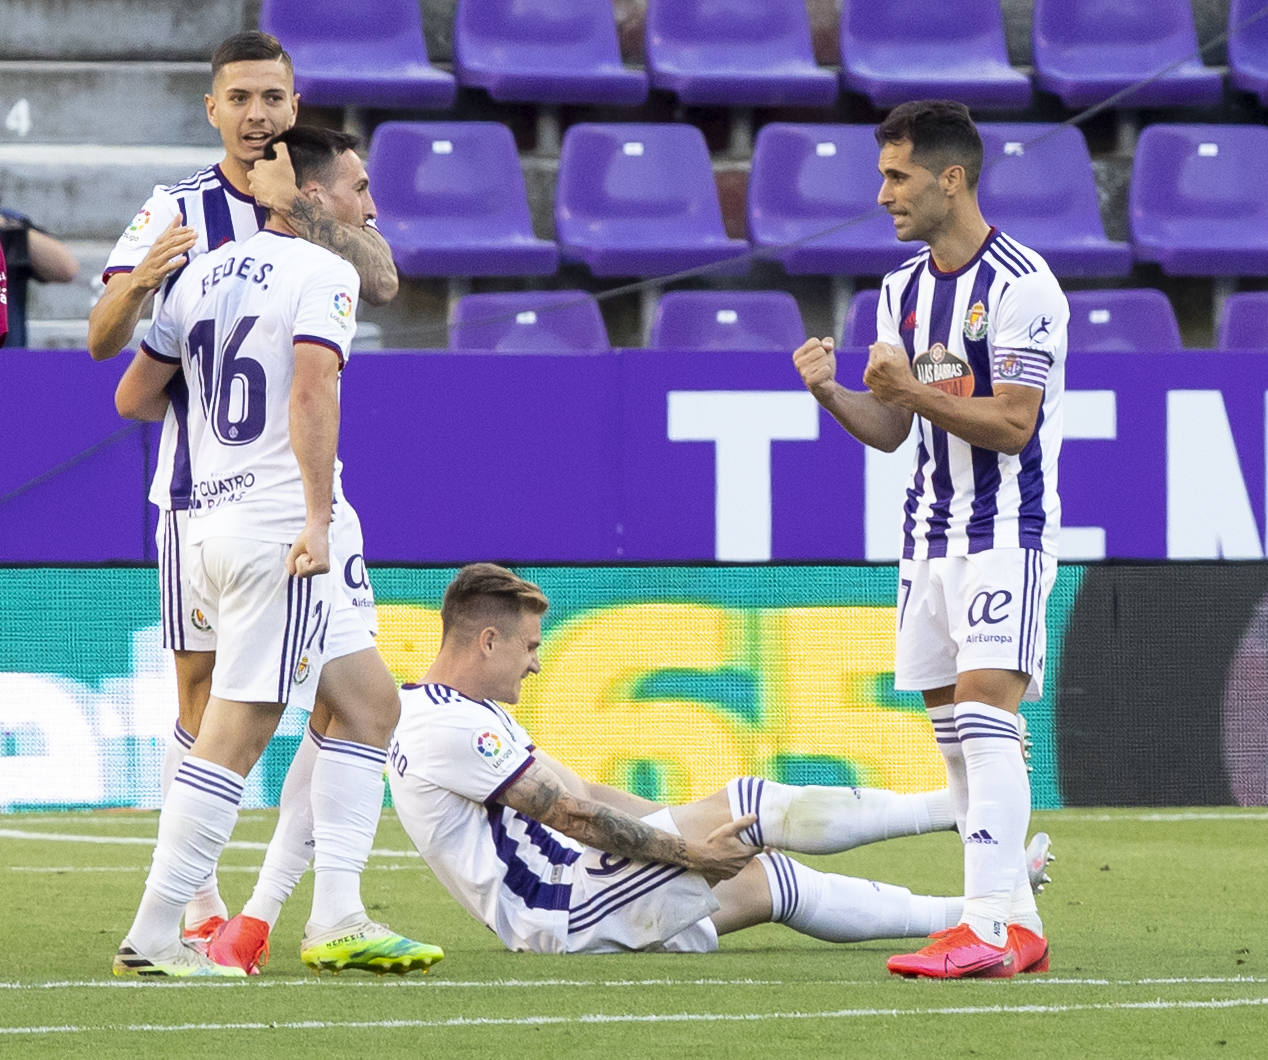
{"type": "Point", "coordinates": [650, 877]}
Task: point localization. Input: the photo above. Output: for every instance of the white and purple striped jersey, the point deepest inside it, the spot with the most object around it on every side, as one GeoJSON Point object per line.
{"type": "Point", "coordinates": [450, 760]}
{"type": "Point", "coordinates": [220, 214]}
{"type": "Point", "coordinates": [1000, 319]}
{"type": "Point", "coordinates": [231, 321]}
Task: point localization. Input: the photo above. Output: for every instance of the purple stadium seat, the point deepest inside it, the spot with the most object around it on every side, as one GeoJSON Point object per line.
{"type": "Point", "coordinates": [1038, 186]}
{"type": "Point", "coordinates": [911, 49]}
{"type": "Point", "coordinates": [860, 320]}
{"type": "Point", "coordinates": [1086, 50]}
{"type": "Point", "coordinates": [808, 179]}
{"type": "Point", "coordinates": [637, 200]}
{"type": "Point", "coordinates": [1122, 321]}
{"type": "Point", "coordinates": [1195, 204]}
{"type": "Point", "coordinates": [727, 320]}
{"type": "Point", "coordinates": [529, 322]}
{"type": "Point", "coordinates": [1244, 324]}
{"type": "Point", "coordinates": [543, 51]}
{"type": "Point", "coordinates": [452, 200]}
{"type": "Point", "coordinates": [738, 52]}
{"type": "Point", "coordinates": [1248, 48]}
{"type": "Point", "coordinates": [358, 55]}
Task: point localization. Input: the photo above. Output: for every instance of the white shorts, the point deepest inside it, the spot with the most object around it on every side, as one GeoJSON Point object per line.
{"type": "Point", "coordinates": [985, 611]}
{"type": "Point", "coordinates": [182, 614]}
{"type": "Point", "coordinates": [268, 624]}
{"type": "Point", "coordinates": [618, 904]}
{"type": "Point", "coordinates": [353, 623]}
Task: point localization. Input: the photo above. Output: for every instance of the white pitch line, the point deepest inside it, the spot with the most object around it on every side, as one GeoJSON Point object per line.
{"type": "Point", "coordinates": [1157, 1005]}
{"type": "Point", "coordinates": [428, 983]}
{"type": "Point", "coordinates": [1168, 816]}
{"type": "Point", "coordinates": [127, 840]}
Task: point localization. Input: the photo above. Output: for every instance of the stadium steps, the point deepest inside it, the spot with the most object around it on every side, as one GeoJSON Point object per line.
{"type": "Point", "coordinates": [50, 102]}
{"type": "Point", "coordinates": [121, 29]}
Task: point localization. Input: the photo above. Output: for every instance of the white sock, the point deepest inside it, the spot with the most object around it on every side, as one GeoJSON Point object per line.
{"type": "Point", "coordinates": [845, 909]}
{"type": "Point", "coordinates": [823, 820]}
{"type": "Point", "coordinates": [347, 802]}
{"type": "Point", "coordinates": [196, 821]}
{"type": "Point", "coordinates": [943, 719]}
{"type": "Point", "coordinates": [206, 902]}
{"type": "Point", "coordinates": [999, 809]}
{"type": "Point", "coordinates": [1023, 909]}
{"type": "Point", "coordinates": [291, 848]}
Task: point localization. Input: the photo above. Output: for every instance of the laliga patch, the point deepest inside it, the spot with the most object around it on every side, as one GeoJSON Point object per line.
{"type": "Point", "coordinates": [139, 224]}
{"type": "Point", "coordinates": [199, 621]}
{"type": "Point", "coordinates": [1008, 366]}
{"type": "Point", "coordinates": [341, 309]}
{"type": "Point", "coordinates": [976, 322]}
{"type": "Point", "coordinates": [493, 748]}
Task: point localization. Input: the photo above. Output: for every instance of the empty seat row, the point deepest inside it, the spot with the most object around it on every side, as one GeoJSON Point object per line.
{"type": "Point", "coordinates": [640, 200]}
{"type": "Point", "coordinates": [758, 52]}
{"type": "Point", "coordinates": [1110, 321]}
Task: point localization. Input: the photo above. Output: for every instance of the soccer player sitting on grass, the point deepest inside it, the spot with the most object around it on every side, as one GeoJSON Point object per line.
{"type": "Point", "coordinates": [554, 863]}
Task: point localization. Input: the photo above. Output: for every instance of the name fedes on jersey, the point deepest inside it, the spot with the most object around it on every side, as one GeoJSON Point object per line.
{"type": "Point", "coordinates": [238, 269]}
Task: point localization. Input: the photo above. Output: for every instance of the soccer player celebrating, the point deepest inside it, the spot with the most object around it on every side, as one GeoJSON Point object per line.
{"type": "Point", "coordinates": [557, 864]}
{"type": "Point", "coordinates": [261, 331]}
{"type": "Point", "coordinates": [971, 344]}
{"type": "Point", "coordinates": [252, 99]}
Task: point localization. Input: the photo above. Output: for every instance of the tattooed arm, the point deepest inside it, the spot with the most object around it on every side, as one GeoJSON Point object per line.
{"type": "Point", "coordinates": [272, 184]}
{"type": "Point", "coordinates": [541, 793]}
{"type": "Point", "coordinates": [363, 246]}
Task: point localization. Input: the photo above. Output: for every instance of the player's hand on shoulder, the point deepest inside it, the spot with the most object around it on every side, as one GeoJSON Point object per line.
{"type": "Point", "coordinates": [272, 180]}
{"type": "Point", "coordinates": [310, 554]}
{"type": "Point", "coordinates": [724, 853]}
{"type": "Point", "coordinates": [169, 252]}
{"type": "Point", "coordinates": [816, 362]}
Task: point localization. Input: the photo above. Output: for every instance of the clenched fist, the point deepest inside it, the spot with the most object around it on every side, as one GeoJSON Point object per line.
{"type": "Point", "coordinates": [816, 361]}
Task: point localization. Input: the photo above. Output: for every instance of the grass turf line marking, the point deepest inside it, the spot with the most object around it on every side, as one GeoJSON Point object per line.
{"type": "Point", "coordinates": [440, 984]}
{"type": "Point", "coordinates": [129, 840]}
{"type": "Point", "coordinates": [1158, 1005]}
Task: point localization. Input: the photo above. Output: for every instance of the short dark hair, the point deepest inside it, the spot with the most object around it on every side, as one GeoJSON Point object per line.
{"type": "Point", "coordinates": [941, 134]}
{"type": "Point", "coordinates": [250, 46]}
{"type": "Point", "coordinates": [484, 594]}
{"type": "Point", "coordinates": [313, 150]}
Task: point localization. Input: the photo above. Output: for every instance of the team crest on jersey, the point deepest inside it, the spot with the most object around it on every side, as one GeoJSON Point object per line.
{"type": "Point", "coordinates": [1008, 365]}
{"type": "Point", "coordinates": [976, 322]}
{"type": "Point", "coordinates": [939, 367]}
{"type": "Point", "coordinates": [489, 746]}
{"type": "Point", "coordinates": [341, 309]}
{"type": "Point", "coordinates": [199, 620]}
{"type": "Point", "coordinates": [302, 669]}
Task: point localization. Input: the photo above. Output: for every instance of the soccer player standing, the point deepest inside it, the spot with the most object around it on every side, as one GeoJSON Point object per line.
{"type": "Point", "coordinates": [261, 330]}
{"type": "Point", "coordinates": [252, 99]}
{"type": "Point", "coordinates": [971, 343]}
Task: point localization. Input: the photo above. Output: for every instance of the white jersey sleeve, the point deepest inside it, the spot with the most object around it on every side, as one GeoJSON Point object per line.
{"type": "Point", "coordinates": [886, 322]}
{"type": "Point", "coordinates": [478, 761]}
{"type": "Point", "coordinates": [137, 239]}
{"type": "Point", "coordinates": [1029, 330]}
{"type": "Point", "coordinates": [327, 312]}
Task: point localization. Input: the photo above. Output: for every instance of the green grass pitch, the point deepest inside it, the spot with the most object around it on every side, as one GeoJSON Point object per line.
{"type": "Point", "coordinates": [1156, 918]}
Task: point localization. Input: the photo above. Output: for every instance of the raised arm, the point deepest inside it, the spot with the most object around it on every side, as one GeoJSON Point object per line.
{"type": "Point", "coordinates": [542, 794]}
{"type": "Point", "coordinates": [273, 185]}
{"type": "Point", "coordinates": [51, 259]}
{"type": "Point", "coordinates": [314, 427]}
{"type": "Point", "coordinates": [872, 421]}
{"type": "Point", "coordinates": [142, 392]}
{"type": "Point", "coordinates": [115, 316]}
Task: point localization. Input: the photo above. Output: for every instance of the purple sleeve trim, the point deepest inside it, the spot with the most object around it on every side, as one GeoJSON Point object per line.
{"type": "Point", "coordinates": [151, 352]}
{"type": "Point", "coordinates": [320, 341]}
{"type": "Point", "coordinates": [496, 794]}
{"type": "Point", "coordinates": [107, 273]}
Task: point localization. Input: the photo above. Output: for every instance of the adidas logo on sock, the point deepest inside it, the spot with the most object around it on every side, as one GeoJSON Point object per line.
{"type": "Point", "coordinates": [982, 836]}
